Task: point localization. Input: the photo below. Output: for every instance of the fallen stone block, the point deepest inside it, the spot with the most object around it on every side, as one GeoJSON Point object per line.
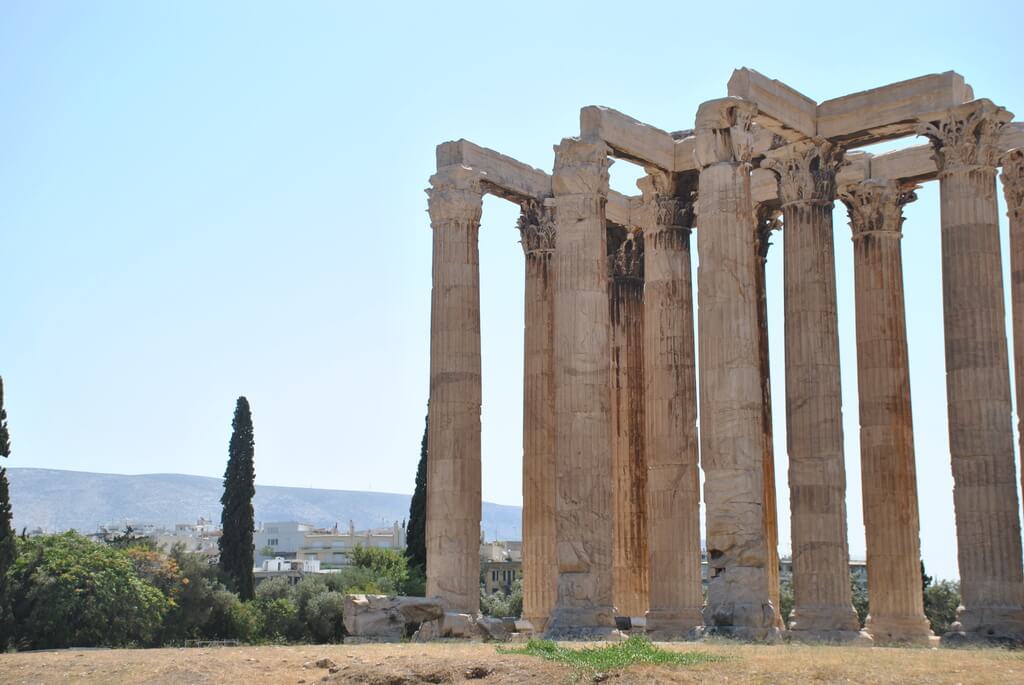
{"type": "Point", "coordinates": [388, 618]}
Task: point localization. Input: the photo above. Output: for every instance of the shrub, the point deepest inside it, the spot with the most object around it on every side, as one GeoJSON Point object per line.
{"type": "Point", "coordinates": [324, 616]}
{"type": "Point", "coordinates": [67, 590]}
{"type": "Point", "coordinates": [502, 605]}
{"type": "Point", "coordinates": [941, 601]}
{"type": "Point", "coordinates": [279, 618]}
{"type": "Point", "coordinates": [388, 565]}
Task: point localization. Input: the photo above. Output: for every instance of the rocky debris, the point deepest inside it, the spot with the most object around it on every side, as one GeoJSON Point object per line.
{"type": "Point", "coordinates": [477, 672]}
{"type": "Point", "coordinates": [523, 626]}
{"type": "Point", "coordinates": [325, 663]}
{"type": "Point", "coordinates": [492, 629]}
{"type": "Point", "coordinates": [383, 618]}
{"type": "Point", "coordinates": [448, 625]}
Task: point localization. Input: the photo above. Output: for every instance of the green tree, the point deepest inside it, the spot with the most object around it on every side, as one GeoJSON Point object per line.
{"type": "Point", "coordinates": [324, 616]}
{"type": "Point", "coordinates": [69, 591]}
{"type": "Point", "coordinates": [786, 600]}
{"type": "Point", "coordinates": [416, 531]}
{"type": "Point", "coordinates": [859, 595]}
{"type": "Point", "coordinates": [941, 601]}
{"type": "Point", "coordinates": [387, 565]}
{"type": "Point", "coordinates": [501, 604]}
{"type": "Point", "coordinates": [8, 548]}
{"type": "Point", "coordinates": [236, 547]}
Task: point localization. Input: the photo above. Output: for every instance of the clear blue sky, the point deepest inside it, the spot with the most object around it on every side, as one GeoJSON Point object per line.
{"type": "Point", "coordinates": [201, 200]}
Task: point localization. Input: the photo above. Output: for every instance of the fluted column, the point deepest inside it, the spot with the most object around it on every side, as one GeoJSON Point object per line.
{"type": "Point", "coordinates": [453, 470]}
{"type": "Point", "coordinates": [888, 475]}
{"type": "Point", "coordinates": [670, 401]}
{"type": "Point", "coordinates": [583, 436]}
{"type": "Point", "coordinates": [731, 403]}
{"type": "Point", "coordinates": [768, 220]}
{"type": "Point", "coordinates": [629, 521]}
{"type": "Point", "coordinates": [978, 374]}
{"type": "Point", "coordinates": [1013, 187]}
{"type": "Point", "coordinates": [822, 607]}
{"type": "Point", "coordinates": [540, 570]}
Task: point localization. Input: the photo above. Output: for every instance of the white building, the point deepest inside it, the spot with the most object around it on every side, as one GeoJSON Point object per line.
{"type": "Point", "coordinates": [279, 539]}
{"type": "Point", "coordinates": [332, 547]}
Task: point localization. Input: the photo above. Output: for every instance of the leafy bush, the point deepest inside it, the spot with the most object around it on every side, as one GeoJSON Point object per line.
{"type": "Point", "coordinates": [324, 616]}
{"type": "Point", "coordinates": [502, 605]}
{"type": "Point", "coordinates": [941, 601]}
{"type": "Point", "coordinates": [279, 618]}
{"type": "Point", "coordinates": [786, 600]}
{"type": "Point", "coordinates": [67, 590]}
{"type": "Point", "coordinates": [389, 565]}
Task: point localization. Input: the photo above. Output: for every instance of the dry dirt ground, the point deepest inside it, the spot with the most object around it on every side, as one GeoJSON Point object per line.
{"type": "Point", "coordinates": [408, 664]}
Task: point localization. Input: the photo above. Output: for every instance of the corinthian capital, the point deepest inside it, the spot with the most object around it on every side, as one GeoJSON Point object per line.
{"type": "Point", "coordinates": [626, 261]}
{"type": "Point", "coordinates": [723, 129]}
{"type": "Point", "coordinates": [536, 227]}
{"type": "Point", "coordinates": [581, 167]}
{"type": "Point", "coordinates": [806, 171]}
{"type": "Point", "coordinates": [666, 201]}
{"type": "Point", "coordinates": [1013, 182]}
{"type": "Point", "coordinates": [966, 138]}
{"type": "Point", "coordinates": [454, 195]}
{"type": "Point", "coordinates": [875, 207]}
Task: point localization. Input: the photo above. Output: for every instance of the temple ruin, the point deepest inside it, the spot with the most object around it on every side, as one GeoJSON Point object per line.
{"type": "Point", "coordinates": [611, 446]}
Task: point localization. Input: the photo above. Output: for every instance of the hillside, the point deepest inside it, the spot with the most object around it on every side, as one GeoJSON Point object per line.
{"type": "Point", "coordinates": [59, 500]}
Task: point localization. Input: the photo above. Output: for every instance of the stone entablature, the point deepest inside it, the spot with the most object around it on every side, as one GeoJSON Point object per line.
{"type": "Point", "coordinates": [610, 302]}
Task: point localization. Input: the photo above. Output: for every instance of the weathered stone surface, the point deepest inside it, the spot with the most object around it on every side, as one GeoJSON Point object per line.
{"type": "Point", "coordinates": [780, 109]}
{"type": "Point", "coordinates": [492, 629]}
{"type": "Point", "coordinates": [670, 408]}
{"type": "Point", "coordinates": [629, 467]}
{"type": "Point", "coordinates": [730, 387]}
{"type": "Point", "coordinates": [888, 473]}
{"type": "Point", "coordinates": [387, 618]}
{"type": "Point", "coordinates": [891, 111]}
{"type": "Point", "coordinates": [582, 392]}
{"type": "Point", "coordinates": [627, 137]}
{"type": "Point", "coordinates": [453, 470]}
{"type": "Point", "coordinates": [540, 567]}
{"type": "Point", "coordinates": [965, 143]}
{"type": "Point", "coordinates": [1013, 188]}
{"type": "Point", "coordinates": [817, 472]}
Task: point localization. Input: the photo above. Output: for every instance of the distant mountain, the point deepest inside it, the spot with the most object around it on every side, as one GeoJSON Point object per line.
{"type": "Point", "coordinates": [59, 500]}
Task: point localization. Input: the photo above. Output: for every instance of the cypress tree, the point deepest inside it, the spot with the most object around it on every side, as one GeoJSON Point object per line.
{"type": "Point", "coordinates": [236, 549]}
{"type": "Point", "coordinates": [7, 544]}
{"type": "Point", "coordinates": [416, 533]}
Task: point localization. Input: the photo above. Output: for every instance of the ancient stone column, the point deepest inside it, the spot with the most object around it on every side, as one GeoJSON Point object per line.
{"type": "Point", "coordinates": [822, 608]}
{"type": "Point", "coordinates": [888, 475]}
{"type": "Point", "coordinates": [977, 374]}
{"type": "Point", "coordinates": [583, 436]}
{"type": "Point", "coordinates": [1013, 187]}
{"type": "Point", "coordinates": [768, 220]}
{"type": "Point", "coordinates": [629, 520]}
{"type": "Point", "coordinates": [670, 401]}
{"type": "Point", "coordinates": [540, 570]}
{"type": "Point", "coordinates": [731, 403]}
{"type": "Point", "coordinates": [453, 470]}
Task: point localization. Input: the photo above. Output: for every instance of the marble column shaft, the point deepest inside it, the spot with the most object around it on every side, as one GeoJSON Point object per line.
{"type": "Point", "coordinates": [670, 399]}
{"type": "Point", "coordinates": [584, 604]}
{"type": "Point", "coordinates": [731, 403]}
{"type": "Point", "coordinates": [1013, 187]}
{"type": "Point", "coordinates": [453, 441]}
{"type": "Point", "coordinates": [888, 474]}
{"type": "Point", "coordinates": [540, 569]}
{"type": "Point", "coordinates": [768, 220]}
{"type": "Point", "coordinates": [965, 145]}
{"type": "Point", "coordinates": [822, 605]}
{"type": "Point", "coordinates": [629, 522]}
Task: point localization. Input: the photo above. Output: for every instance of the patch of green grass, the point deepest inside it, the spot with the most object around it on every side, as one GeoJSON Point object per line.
{"type": "Point", "coordinates": [636, 650]}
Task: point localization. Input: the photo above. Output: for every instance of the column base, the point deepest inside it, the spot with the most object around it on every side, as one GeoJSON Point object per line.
{"type": "Point", "coordinates": [902, 630]}
{"type": "Point", "coordinates": [582, 623]}
{"type": "Point", "coordinates": [993, 625]}
{"type": "Point", "coordinates": [824, 619]}
{"type": "Point", "coordinates": [752, 622]}
{"type": "Point", "coordinates": [538, 623]}
{"type": "Point", "coordinates": [666, 625]}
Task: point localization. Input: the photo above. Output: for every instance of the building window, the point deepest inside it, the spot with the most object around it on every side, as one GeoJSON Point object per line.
{"type": "Point", "coordinates": [272, 542]}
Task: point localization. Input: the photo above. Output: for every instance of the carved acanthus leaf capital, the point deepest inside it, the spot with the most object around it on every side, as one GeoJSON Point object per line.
{"type": "Point", "coordinates": [966, 138]}
{"type": "Point", "coordinates": [875, 206]}
{"type": "Point", "coordinates": [663, 202]}
{"type": "Point", "coordinates": [724, 132]}
{"type": "Point", "coordinates": [806, 171]}
{"type": "Point", "coordinates": [1013, 182]}
{"type": "Point", "coordinates": [536, 227]}
{"type": "Point", "coordinates": [581, 167]}
{"type": "Point", "coordinates": [626, 262]}
{"type": "Point", "coordinates": [455, 195]}
{"type": "Point", "coordinates": [768, 219]}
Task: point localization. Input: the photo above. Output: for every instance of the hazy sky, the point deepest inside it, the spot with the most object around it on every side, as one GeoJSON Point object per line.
{"type": "Point", "coordinates": [200, 200]}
